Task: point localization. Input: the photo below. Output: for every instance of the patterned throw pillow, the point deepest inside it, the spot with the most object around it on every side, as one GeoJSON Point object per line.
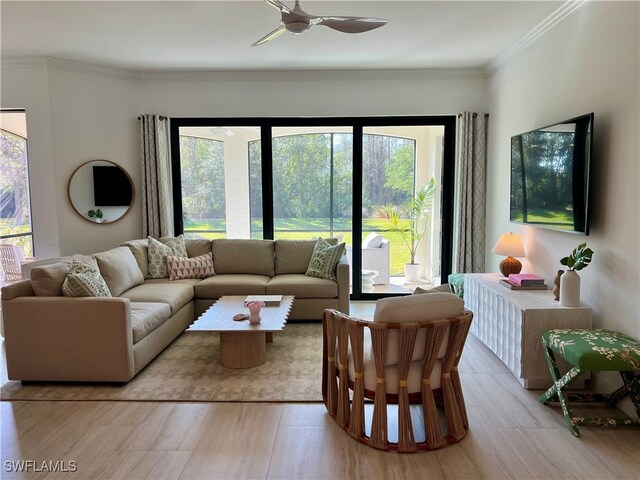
{"type": "Point", "coordinates": [325, 259]}
{"type": "Point", "coordinates": [159, 251]}
{"type": "Point", "coordinates": [196, 267]}
{"type": "Point", "coordinates": [84, 281]}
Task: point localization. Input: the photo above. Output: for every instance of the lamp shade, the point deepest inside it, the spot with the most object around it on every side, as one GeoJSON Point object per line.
{"type": "Point", "coordinates": [509, 245]}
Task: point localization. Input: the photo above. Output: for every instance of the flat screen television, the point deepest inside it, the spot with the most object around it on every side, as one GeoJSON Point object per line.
{"type": "Point", "coordinates": [111, 187]}
{"type": "Point", "coordinates": [550, 176]}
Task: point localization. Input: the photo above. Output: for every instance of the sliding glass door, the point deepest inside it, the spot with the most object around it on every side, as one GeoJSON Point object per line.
{"type": "Point", "coordinates": [303, 178]}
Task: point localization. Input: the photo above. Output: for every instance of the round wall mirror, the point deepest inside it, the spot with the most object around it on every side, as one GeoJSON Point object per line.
{"type": "Point", "coordinates": [101, 191]}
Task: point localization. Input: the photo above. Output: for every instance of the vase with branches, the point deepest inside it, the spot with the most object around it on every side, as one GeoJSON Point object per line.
{"type": "Point", "coordinates": [411, 221]}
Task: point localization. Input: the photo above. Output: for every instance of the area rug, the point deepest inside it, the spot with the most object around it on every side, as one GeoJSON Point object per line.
{"type": "Point", "coordinates": [188, 371]}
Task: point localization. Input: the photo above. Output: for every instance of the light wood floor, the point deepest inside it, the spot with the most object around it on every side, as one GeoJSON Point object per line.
{"type": "Point", "coordinates": [511, 436]}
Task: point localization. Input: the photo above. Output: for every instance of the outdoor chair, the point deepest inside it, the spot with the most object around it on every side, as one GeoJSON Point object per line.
{"type": "Point", "coordinates": [375, 256]}
{"type": "Point", "coordinates": [408, 354]}
{"type": "Point", "coordinates": [11, 257]}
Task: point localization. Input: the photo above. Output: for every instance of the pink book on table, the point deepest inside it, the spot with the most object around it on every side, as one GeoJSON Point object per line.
{"type": "Point", "coordinates": [524, 278]}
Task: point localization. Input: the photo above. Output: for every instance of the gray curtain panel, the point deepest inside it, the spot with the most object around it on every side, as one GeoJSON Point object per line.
{"type": "Point", "coordinates": [157, 201]}
{"type": "Point", "coordinates": [471, 188]}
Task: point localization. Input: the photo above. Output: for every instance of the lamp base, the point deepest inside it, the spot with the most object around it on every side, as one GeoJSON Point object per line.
{"type": "Point", "coordinates": [510, 265]}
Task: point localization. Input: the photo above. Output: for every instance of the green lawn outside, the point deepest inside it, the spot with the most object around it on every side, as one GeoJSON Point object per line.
{"type": "Point", "coordinates": [552, 218]}
{"type": "Point", "coordinates": [316, 227]}
{"type": "Point", "coordinates": [7, 228]}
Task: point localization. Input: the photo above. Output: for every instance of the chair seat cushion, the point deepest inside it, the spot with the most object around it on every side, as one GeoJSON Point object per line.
{"type": "Point", "coordinates": [302, 286]}
{"type": "Point", "coordinates": [146, 317]}
{"type": "Point", "coordinates": [392, 372]}
{"type": "Point", "coordinates": [231, 284]}
{"type": "Point", "coordinates": [595, 350]}
{"type": "Point", "coordinates": [175, 294]}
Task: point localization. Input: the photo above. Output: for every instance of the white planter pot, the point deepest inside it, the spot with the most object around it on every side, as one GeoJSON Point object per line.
{"type": "Point", "coordinates": [570, 289]}
{"type": "Point", "coordinates": [411, 272]}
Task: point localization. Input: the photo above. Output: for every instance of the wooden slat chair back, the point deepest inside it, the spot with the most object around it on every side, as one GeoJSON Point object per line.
{"type": "Point", "coordinates": [344, 335]}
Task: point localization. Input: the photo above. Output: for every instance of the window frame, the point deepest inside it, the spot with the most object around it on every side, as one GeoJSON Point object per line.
{"type": "Point", "coordinates": [266, 124]}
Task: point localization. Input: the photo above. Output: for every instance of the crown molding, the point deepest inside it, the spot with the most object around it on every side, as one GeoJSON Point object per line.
{"type": "Point", "coordinates": [91, 69]}
{"type": "Point", "coordinates": [19, 62]}
{"type": "Point", "coordinates": [558, 15]}
{"type": "Point", "coordinates": [311, 75]}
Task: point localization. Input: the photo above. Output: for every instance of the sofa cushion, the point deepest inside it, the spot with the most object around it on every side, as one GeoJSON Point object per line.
{"type": "Point", "coordinates": [415, 308]}
{"type": "Point", "coordinates": [325, 259]}
{"type": "Point", "coordinates": [187, 281]}
{"type": "Point", "coordinates": [140, 248]}
{"type": "Point", "coordinates": [120, 270]}
{"type": "Point", "coordinates": [196, 246]}
{"type": "Point", "coordinates": [158, 252]}
{"type": "Point", "coordinates": [243, 256]}
{"type": "Point", "coordinates": [231, 284]}
{"type": "Point", "coordinates": [47, 280]}
{"type": "Point", "coordinates": [84, 281]}
{"type": "Point", "coordinates": [196, 267]}
{"type": "Point", "coordinates": [146, 317]}
{"type": "Point", "coordinates": [175, 294]}
{"type": "Point", "coordinates": [302, 286]}
{"type": "Point", "coordinates": [292, 256]}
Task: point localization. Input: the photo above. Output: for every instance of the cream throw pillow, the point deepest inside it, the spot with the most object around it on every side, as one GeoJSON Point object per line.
{"type": "Point", "coordinates": [196, 267]}
{"type": "Point", "coordinates": [158, 252]}
{"type": "Point", "coordinates": [84, 281]}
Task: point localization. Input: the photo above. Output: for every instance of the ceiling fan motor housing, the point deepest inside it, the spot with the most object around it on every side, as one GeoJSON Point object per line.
{"type": "Point", "coordinates": [297, 27]}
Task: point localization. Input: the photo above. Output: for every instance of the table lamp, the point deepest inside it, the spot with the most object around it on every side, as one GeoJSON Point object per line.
{"type": "Point", "coordinates": [510, 245]}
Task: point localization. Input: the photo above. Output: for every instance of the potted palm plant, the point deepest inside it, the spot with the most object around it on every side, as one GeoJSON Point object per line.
{"type": "Point", "coordinates": [411, 222]}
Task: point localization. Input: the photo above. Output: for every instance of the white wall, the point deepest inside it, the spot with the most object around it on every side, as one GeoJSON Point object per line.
{"type": "Point", "coordinates": [72, 117]}
{"type": "Point", "coordinates": [25, 85]}
{"type": "Point", "coordinates": [588, 62]}
{"type": "Point", "coordinates": [78, 112]}
{"type": "Point", "coordinates": [93, 117]}
{"type": "Point", "coordinates": [312, 93]}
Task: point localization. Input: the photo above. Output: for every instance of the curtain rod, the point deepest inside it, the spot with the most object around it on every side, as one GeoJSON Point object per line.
{"type": "Point", "coordinates": [486, 115]}
{"type": "Point", "coordinates": [160, 117]}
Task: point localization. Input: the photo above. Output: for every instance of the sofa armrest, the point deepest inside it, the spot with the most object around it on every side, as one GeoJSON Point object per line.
{"type": "Point", "coordinates": [68, 339]}
{"type": "Point", "coordinates": [342, 276]}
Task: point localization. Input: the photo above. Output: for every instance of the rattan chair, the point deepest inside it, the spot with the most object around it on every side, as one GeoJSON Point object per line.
{"type": "Point", "coordinates": [11, 257]}
{"type": "Point", "coordinates": [402, 363]}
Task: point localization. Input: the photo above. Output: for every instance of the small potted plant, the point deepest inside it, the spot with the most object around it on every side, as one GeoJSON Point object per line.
{"type": "Point", "coordinates": [411, 222]}
{"type": "Point", "coordinates": [570, 281]}
{"type": "Point", "coordinates": [95, 214]}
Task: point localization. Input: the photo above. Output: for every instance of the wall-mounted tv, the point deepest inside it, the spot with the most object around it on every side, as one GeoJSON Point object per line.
{"type": "Point", "coordinates": [550, 175]}
{"type": "Point", "coordinates": [111, 187]}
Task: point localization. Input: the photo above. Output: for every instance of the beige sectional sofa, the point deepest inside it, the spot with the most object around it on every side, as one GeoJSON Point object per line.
{"type": "Point", "coordinates": [49, 337]}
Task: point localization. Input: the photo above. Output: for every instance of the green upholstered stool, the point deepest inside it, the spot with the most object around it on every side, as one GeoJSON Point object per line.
{"type": "Point", "coordinates": [456, 282]}
{"type": "Point", "coordinates": [592, 350]}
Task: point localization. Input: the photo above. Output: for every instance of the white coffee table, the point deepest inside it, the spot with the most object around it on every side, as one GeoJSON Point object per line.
{"type": "Point", "coordinates": [242, 345]}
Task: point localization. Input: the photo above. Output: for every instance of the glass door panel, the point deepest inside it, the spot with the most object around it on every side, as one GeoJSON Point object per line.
{"type": "Point", "coordinates": [312, 182]}
{"type": "Point", "coordinates": [220, 194]}
{"type": "Point", "coordinates": [401, 200]}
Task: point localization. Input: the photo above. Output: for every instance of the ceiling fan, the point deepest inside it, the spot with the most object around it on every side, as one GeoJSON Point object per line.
{"type": "Point", "coordinates": [297, 22]}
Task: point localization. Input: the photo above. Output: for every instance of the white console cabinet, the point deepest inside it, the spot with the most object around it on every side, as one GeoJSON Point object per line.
{"type": "Point", "coordinates": [511, 322]}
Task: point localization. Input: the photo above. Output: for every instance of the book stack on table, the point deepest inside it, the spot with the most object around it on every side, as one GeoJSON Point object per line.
{"type": "Point", "coordinates": [524, 281]}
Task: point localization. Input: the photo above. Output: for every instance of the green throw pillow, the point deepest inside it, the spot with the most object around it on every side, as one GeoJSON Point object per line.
{"type": "Point", "coordinates": [84, 281]}
{"type": "Point", "coordinates": [325, 259]}
{"type": "Point", "coordinates": [159, 251]}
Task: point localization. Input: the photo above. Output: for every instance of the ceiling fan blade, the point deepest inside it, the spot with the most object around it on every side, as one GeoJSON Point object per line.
{"type": "Point", "coordinates": [277, 4]}
{"type": "Point", "coordinates": [350, 24]}
{"type": "Point", "coordinates": [270, 36]}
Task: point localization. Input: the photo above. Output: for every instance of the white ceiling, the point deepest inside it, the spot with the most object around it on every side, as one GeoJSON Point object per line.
{"type": "Point", "coordinates": [216, 35]}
